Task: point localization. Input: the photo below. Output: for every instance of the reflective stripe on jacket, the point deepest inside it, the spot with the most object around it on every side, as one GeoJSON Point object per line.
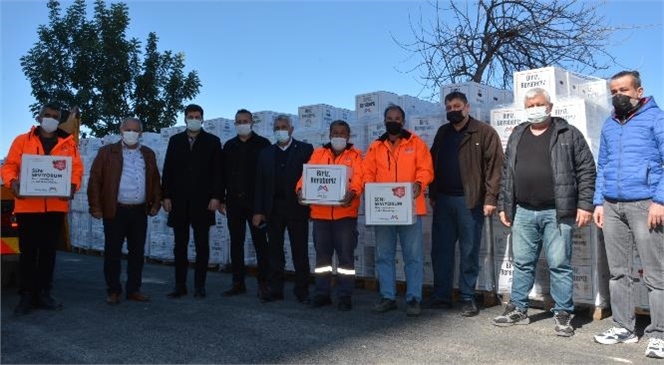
{"type": "Point", "coordinates": [29, 143]}
{"type": "Point", "coordinates": [409, 162]}
{"type": "Point", "coordinates": [351, 157]}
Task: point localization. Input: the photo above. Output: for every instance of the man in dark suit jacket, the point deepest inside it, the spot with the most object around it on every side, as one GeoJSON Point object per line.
{"type": "Point", "coordinates": [240, 156]}
{"type": "Point", "coordinates": [192, 189]}
{"type": "Point", "coordinates": [276, 207]}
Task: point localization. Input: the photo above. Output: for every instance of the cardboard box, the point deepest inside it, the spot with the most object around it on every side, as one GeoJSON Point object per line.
{"type": "Point", "coordinates": [583, 283]}
{"type": "Point", "coordinates": [325, 184]}
{"type": "Point", "coordinates": [552, 79]}
{"type": "Point", "coordinates": [48, 176]}
{"type": "Point", "coordinates": [374, 104]}
{"type": "Point", "coordinates": [504, 120]}
{"type": "Point", "coordinates": [389, 203]}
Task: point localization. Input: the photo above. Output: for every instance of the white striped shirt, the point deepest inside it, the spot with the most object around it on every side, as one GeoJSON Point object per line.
{"type": "Point", "coordinates": [132, 181]}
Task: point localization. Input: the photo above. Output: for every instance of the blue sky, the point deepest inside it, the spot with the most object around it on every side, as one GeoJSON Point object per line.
{"type": "Point", "coordinates": [269, 55]}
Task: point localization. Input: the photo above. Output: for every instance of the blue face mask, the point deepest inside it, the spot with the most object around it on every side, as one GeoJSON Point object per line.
{"type": "Point", "coordinates": [194, 125]}
{"type": "Point", "coordinates": [243, 129]}
{"type": "Point", "coordinates": [537, 114]}
{"type": "Point", "coordinates": [281, 136]}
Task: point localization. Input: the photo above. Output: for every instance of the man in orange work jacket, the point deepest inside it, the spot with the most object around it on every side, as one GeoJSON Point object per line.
{"type": "Point", "coordinates": [399, 156]}
{"type": "Point", "coordinates": [40, 220]}
{"type": "Point", "coordinates": [335, 227]}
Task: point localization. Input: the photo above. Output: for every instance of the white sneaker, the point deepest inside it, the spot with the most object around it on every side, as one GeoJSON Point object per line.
{"type": "Point", "coordinates": [616, 335]}
{"type": "Point", "coordinates": [655, 348]}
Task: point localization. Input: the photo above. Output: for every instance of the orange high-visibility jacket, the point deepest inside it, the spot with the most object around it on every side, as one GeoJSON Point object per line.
{"type": "Point", "coordinates": [351, 157]}
{"type": "Point", "coordinates": [410, 161]}
{"type": "Point", "coordinates": [29, 143]}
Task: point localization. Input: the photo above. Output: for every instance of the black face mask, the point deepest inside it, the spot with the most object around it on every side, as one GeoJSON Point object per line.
{"type": "Point", "coordinates": [622, 104]}
{"type": "Point", "coordinates": [393, 128]}
{"type": "Point", "coordinates": [455, 116]}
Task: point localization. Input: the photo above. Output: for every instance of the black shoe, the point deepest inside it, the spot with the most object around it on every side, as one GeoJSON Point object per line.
{"type": "Point", "coordinates": [302, 295]}
{"type": "Point", "coordinates": [320, 301]}
{"type": "Point", "coordinates": [263, 292]}
{"type": "Point", "coordinates": [413, 308]}
{"type": "Point", "coordinates": [177, 293]}
{"type": "Point", "coordinates": [344, 304]}
{"type": "Point", "coordinates": [46, 301]}
{"type": "Point", "coordinates": [469, 308]}
{"type": "Point", "coordinates": [236, 289]}
{"type": "Point", "coordinates": [24, 305]}
{"type": "Point", "coordinates": [199, 293]}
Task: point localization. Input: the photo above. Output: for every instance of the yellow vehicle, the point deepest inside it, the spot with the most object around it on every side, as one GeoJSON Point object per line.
{"type": "Point", "coordinates": [9, 240]}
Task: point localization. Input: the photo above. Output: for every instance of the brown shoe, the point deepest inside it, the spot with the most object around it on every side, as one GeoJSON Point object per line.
{"type": "Point", "coordinates": [138, 296]}
{"type": "Point", "coordinates": [113, 299]}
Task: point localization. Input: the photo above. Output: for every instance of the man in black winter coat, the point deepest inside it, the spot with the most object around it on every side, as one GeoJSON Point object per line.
{"type": "Point", "coordinates": [547, 186]}
{"type": "Point", "coordinates": [191, 190]}
{"type": "Point", "coordinates": [240, 156]}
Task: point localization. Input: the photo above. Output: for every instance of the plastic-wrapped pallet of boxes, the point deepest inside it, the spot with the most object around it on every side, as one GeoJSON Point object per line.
{"type": "Point", "coordinates": [589, 265]}
{"type": "Point", "coordinates": [583, 102]}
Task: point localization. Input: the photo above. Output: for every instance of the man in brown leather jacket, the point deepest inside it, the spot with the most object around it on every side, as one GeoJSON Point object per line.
{"type": "Point", "coordinates": [124, 189]}
{"type": "Point", "coordinates": [467, 159]}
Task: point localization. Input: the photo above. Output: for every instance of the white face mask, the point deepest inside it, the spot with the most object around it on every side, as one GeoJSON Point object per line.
{"type": "Point", "coordinates": [49, 125]}
{"type": "Point", "coordinates": [338, 143]}
{"type": "Point", "coordinates": [194, 125]}
{"type": "Point", "coordinates": [537, 114]}
{"type": "Point", "coordinates": [243, 129]}
{"type": "Point", "coordinates": [130, 138]}
{"type": "Point", "coordinates": [281, 136]}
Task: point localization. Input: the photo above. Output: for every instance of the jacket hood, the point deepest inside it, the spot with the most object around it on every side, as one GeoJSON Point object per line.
{"type": "Point", "coordinates": [404, 134]}
{"type": "Point", "coordinates": [58, 132]}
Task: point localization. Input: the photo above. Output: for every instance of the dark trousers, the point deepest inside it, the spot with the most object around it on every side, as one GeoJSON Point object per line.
{"type": "Point", "coordinates": [298, 232]}
{"type": "Point", "coordinates": [338, 236]}
{"type": "Point", "coordinates": [452, 221]}
{"type": "Point", "coordinates": [38, 237]}
{"type": "Point", "coordinates": [201, 240]}
{"type": "Point", "coordinates": [238, 215]}
{"type": "Point", "coordinates": [130, 223]}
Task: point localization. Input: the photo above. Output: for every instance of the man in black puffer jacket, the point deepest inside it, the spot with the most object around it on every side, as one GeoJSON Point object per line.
{"type": "Point", "coordinates": [547, 183]}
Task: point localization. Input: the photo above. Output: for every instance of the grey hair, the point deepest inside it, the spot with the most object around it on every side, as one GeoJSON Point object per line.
{"type": "Point", "coordinates": [284, 117]}
{"type": "Point", "coordinates": [132, 119]}
{"type": "Point", "coordinates": [535, 92]}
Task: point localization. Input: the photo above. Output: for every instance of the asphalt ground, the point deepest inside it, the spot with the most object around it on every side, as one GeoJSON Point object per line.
{"type": "Point", "coordinates": [240, 329]}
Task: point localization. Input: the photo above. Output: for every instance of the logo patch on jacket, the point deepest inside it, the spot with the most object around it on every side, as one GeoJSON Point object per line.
{"type": "Point", "coordinates": [409, 149]}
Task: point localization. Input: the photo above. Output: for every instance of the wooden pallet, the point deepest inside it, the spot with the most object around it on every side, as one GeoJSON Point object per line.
{"type": "Point", "coordinates": [487, 298]}
{"type": "Point", "coordinates": [642, 311]}
{"type": "Point", "coordinates": [151, 260]}
{"type": "Point", "coordinates": [87, 251]}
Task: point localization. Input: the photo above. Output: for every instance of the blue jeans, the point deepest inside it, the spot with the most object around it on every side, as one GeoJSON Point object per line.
{"type": "Point", "coordinates": [411, 246]}
{"type": "Point", "coordinates": [625, 225]}
{"type": "Point", "coordinates": [532, 230]}
{"type": "Point", "coordinates": [452, 221]}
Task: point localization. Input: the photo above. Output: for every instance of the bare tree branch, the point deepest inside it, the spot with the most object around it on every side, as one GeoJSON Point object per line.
{"type": "Point", "coordinates": [488, 42]}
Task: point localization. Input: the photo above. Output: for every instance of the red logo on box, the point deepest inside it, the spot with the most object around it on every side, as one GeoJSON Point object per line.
{"type": "Point", "coordinates": [60, 164]}
{"type": "Point", "coordinates": [399, 191]}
